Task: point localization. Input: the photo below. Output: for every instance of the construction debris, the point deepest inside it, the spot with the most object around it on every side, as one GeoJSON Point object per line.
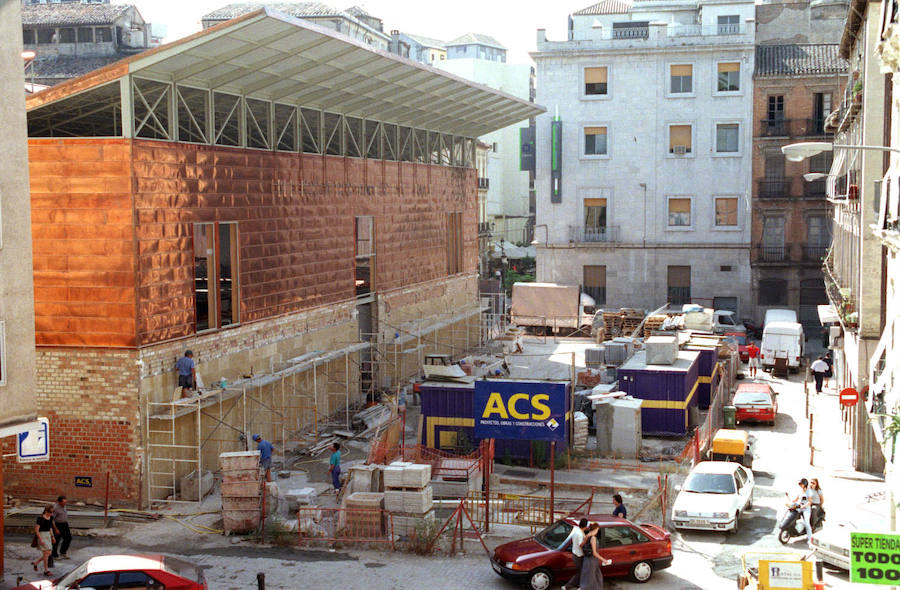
{"type": "Point", "coordinates": [27, 515]}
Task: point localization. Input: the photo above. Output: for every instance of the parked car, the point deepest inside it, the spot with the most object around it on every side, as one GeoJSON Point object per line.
{"type": "Point", "coordinates": [832, 544]}
{"type": "Point", "coordinates": [109, 572]}
{"type": "Point", "coordinates": [743, 344]}
{"type": "Point", "coordinates": [726, 321]}
{"type": "Point", "coordinates": [713, 497]}
{"type": "Point", "coordinates": [540, 561]}
{"type": "Point", "coordinates": [755, 402]}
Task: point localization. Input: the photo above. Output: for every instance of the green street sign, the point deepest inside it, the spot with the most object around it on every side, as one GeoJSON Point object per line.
{"type": "Point", "coordinates": [874, 559]}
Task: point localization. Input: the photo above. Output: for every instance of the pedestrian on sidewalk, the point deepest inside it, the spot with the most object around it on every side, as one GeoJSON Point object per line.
{"type": "Point", "coordinates": [63, 533]}
{"type": "Point", "coordinates": [816, 499]}
{"type": "Point", "coordinates": [819, 368]}
{"type": "Point", "coordinates": [591, 576]}
{"type": "Point", "coordinates": [619, 509]}
{"type": "Point", "coordinates": [829, 360]}
{"type": "Point", "coordinates": [43, 531]}
{"type": "Point", "coordinates": [265, 455]}
{"type": "Point", "coordinates": [576, 536]}
{"type": "Point", "coordinates": [753, 359]}
{"type": "Point", "coordinates": [187, 371]}
{"type": "Point", "coordinates": [334, 467]}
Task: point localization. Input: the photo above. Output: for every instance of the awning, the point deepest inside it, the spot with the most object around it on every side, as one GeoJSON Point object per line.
{"type": "Point", "coordinates": [828, 315]}
{"type": "Point", "coordinates": [272, 56]}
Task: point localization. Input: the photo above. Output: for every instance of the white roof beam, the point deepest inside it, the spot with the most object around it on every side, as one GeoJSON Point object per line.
{"type": "Point", "coordinates": [271, 79]}
{"type": "Point", "coordinates": [207, 64]}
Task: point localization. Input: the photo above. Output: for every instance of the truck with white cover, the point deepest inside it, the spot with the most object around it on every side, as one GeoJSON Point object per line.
{"type": "Point", "coordinates": [782, 340]}
{"type": "Point", "coordinates": [780, 315]}
{"type": "Point", "coordinates": [551, 305]}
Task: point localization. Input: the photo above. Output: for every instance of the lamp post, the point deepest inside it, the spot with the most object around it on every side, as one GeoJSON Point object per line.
{"type": "Point", "coordinates": [797, 152]}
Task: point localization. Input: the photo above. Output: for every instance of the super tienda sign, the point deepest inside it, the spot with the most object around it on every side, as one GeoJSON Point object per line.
{"type": "Point", "coordinates": [522, 410]}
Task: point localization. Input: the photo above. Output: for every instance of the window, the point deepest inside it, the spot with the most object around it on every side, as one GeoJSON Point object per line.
{"type": "Point", "coordinates": [85, 35]}
{"type": "Point", "coordinates": [775, 110]}
{"type": "Point", "coordinates": [365, 254]}
{"type": "Point", "coordinates": [28, 36]}
{"type": "Point", "coordinates": [772, 292]}
{"type": "Point", "coordinates": [67, 35]}
{"type": "Point", "coordinates": [595, 220]}
{"type": "Point", "coordinates": [102, 581]}
{"type": "Point", "coordinates": [821, 110]}
{"type": "Point", "coordinates": [595, 83]}
{"type": "Point", "coordinates": [818, 232]}
{"type": "Point", "coordinates": [216, 272]}
{"type": "Point", "coordinates": [594, 283]}
{"type": "Point", "coordinates": [681, 79]}
{"type": "Point", "coordinates": [595, 141]}
{"type": "Point", "coordinates": [772, 249]}
{"type": "Point", "coordinates": [679, 284]}
{"type": "Point", "coordinates": [729, 24]}
{"type": "Point", "coordinates": [679, 139]}
{"type": "Point", "coordinates": [821, 162]}
{"type": "Point", "coordinates": [554, 535]}
{"type": "Point", "coordinates": [46, 36]}
{"type": "Point", "coordinates": [727, 138]}
{"type": "Point", "coordinates": [2, 353]}
{"type": "Point", "coordinates": [729, 79]}
{"type": "Point", "coordinates": [615, 536]}
{"type": "Point", "coordinates": [726, 211]}
{"type": "Point", "coordinates": [679, 212]}
{"type": "Point", "coordinates": [454, 243]}
{"type": "Point", "coordinates": [133, 580]}
{"type": "Point", "coordinates": [103, 35]}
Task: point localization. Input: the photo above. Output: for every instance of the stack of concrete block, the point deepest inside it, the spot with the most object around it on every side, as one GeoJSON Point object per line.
{"type": "Point", "coordinates": [661, 350]}
{"type": "Point", "coordinates": [408, 496]}
{"type": "Point", "coordinates": [364, 514]}
{"type": "Point", "coordinates": [241, 491]}
{"type": "Point", "coordinates": [579, 441]}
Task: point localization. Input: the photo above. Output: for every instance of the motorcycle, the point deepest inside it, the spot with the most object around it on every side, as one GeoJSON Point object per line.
{"type": "Point", "coordinates": [792, 525]}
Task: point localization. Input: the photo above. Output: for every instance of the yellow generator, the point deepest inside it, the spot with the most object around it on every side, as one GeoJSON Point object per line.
{"type": "Point", "coordinates": [731, 445]}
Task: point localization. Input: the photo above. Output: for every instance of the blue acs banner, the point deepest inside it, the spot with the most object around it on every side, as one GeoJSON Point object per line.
{"type": "Point", "coordinates": [520, 410]}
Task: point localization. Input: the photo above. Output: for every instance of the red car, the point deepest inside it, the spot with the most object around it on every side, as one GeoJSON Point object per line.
{"type": "Point", "coordinates": [540, 562]}
{"type": "Point", "coordinates": [755, 402]}
{"type": "Point", "coordinates": [742, 343]}
{"type": "Point", "coordinates": [111, 572]}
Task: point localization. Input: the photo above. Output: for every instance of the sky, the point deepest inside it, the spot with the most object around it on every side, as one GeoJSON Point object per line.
{"type": "Point", "coordinates": [513, 23]}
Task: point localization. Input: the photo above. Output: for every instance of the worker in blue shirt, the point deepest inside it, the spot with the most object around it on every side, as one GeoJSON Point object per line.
{"type": "Point", "coordinates": [334, 467]}
{"type": "Point", "coordinates": [265, 455]}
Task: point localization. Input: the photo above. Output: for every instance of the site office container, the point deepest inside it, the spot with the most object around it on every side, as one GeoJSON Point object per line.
{"type": "Point", "coordinates": [669, 391]}
{"type": "Point", "coordinates": [708, 379]}
{"type": "Point", "coordinates": [448, 423]}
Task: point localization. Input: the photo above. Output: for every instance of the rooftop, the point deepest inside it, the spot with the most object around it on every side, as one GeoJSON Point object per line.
{"type": "Point", "coordinates": [65, 67]}
{"type": "Point", "coordinates": [73, 14]}
{"type": "Point", "coordinates": [606, 7]}
{"type": "Point", "coordinates": [475, 39]}
{"type": "Point", "coordinates": [426, 41]}
{"type": "Point", "coordinates": [799, 60]}
{"type": "Point", "coordinates": [295, 9]}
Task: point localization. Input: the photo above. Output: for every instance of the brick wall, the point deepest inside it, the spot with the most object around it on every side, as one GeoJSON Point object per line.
{"type": "Point", "coordinates": [90, 398]}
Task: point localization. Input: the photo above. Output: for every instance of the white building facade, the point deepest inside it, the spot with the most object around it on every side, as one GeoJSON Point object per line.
{"type": "Point", "coordinates": [648, 201]}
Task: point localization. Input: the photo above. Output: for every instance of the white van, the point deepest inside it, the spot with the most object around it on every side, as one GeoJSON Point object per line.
{"type": "Point", "coordinates": [780, 315]}
{"type": "Point", "coordinates": [782, 340]}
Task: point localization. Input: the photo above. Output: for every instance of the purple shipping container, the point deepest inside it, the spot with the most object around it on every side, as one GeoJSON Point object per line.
{"type": "Point", "coordinates": [448, 423]}
{"type": "Point", "coordinates": [708, 375]}
{"type": "Point", "coordinates": [669, 391]}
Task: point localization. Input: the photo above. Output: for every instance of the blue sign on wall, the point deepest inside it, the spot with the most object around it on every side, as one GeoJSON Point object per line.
{"type": "Point", "coordinates": [520, 410]}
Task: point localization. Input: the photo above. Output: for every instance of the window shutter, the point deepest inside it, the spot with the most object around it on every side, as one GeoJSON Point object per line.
{"type": "Point", "coordinates": [682, 70]}
{"type": "Point", "coordinates": [595, 75]}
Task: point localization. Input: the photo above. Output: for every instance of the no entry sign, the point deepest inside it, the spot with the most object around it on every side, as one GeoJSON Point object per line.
{"type": "Point", "coordinates": [874, 558]}
{"type": "Point", "coordinates": [849, 397]}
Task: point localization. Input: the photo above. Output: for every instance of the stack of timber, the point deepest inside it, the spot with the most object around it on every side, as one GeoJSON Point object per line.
{"type": "Point", "coordinates": [241, 491]}
{"type": "Point", "coordinates": [653, 323]}
{"type": "Point", "coordinates": [408, 496]}
{"type": "Point", "coordinates": [612, 321]}
{"type": "Point", "coordinates": [371, 418]}
{"type": "Point", "coordinates": [365, 515]}
{"type": "Point", "coordinates": [631, 319]}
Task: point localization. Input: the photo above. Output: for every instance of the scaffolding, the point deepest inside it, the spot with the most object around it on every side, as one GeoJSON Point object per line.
{"type": "Point", "coordinates": [186, 435]}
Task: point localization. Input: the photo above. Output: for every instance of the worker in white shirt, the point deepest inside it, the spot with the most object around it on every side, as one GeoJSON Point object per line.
{"type": "Point", "coordinates": [577, 538]}
{"type": "Point", "coordinates": [819, 368]}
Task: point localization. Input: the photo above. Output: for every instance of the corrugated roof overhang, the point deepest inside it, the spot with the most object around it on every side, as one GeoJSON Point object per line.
{"type": "Point", "coordinates": [270, 55]}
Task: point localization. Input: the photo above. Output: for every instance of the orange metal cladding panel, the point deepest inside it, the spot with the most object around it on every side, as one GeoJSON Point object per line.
{"type": "Point", "coordinates": [295, 215]}
{"type": "Point", "coordinates": [81, 221]}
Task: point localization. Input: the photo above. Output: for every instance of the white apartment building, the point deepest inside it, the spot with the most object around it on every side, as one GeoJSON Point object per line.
{"type": "Point", "coordinates": [508, 203]}
{"type": "Point", "coordinates": [648, 200]}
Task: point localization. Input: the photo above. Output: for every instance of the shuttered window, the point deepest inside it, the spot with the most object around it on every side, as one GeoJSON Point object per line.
{"type": "Point", "coordinates": [595, 141]}
{"type": "Point", "coordinates": [679, 135]}
{"type": "Point", "coordinates": [681, 79]}
{"type": "Point", "coordinates": [679, 212]}
{"type": "Point", "coordinates": [726, 211]}
{"type": "Point", "coordinates": [729, 78]}
{"type": "Point", "coordinates": [595, 83]}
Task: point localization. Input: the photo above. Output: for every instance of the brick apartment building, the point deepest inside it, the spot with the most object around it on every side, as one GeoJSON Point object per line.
{"type": "Point", "coordinates": [296, 208]}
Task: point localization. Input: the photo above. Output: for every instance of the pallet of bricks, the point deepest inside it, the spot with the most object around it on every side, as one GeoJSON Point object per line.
{"type": "Point", "coordinates": [241, 491]}
{"type": "Point", "coordinates": [408, 496]}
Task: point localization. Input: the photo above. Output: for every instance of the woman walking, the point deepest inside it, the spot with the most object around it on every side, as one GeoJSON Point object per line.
{"type": "Point", "coordinates": [591, 576]}
{"type": "Point", "coordinates": [816, 499]}
{"type": "Point", "coordinates": [43, 530]}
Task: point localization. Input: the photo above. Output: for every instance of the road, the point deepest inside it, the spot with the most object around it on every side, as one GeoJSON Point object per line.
{"type": "Point", "coordinates": [704, 561]}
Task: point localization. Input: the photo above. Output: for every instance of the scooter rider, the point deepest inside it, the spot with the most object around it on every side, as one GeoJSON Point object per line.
{"type": "Point", "coordinates": [801, 503]}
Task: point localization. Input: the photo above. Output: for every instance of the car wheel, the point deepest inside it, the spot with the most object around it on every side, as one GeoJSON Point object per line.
{"type": "Point", "coordinates": [540, 579]}
{"type": "Point", "coordinates": [737, 523]}
{"type": "Point", "coordinates": [750, 502]}
{"type": "Point", "coordinates": [641, 571]}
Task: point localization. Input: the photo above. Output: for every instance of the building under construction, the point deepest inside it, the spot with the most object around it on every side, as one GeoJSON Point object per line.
{"type": "Point", "coordinates": [293, 206]}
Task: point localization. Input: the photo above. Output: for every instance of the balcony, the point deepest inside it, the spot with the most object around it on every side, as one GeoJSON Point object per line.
{"type": "Point", "coordinates": [775, 127]}
{"type": "Point", "coordinates": [850, 106]}
{"type": "Point", "coordinates": [774, 189]}
{"type": "Point", "coordinates": [484, 183]}
{"type": "Point", "coordinates": [765, 253]}
{"type": "Point", "coordinates": [679, 295]}
{"type": "Point", "coordinates": [485, 228]}
{"type": "Point", "coordinates": [814, 253]}
{"type": "Point", "coordinates": [840, 297]}
{"type": "Point", "coordinates": [631, 32]}
{"type": "Point", "coordinates": [814, 127]}
{"type": "Point", "coordinates": [593, 235]}
{"type": "Point", "coordinates": [815, 189]}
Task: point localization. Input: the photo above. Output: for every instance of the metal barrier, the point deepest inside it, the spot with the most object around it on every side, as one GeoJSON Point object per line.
{"type": "Point", "coordinates": [444, 465]}
{"type": "Point", "coordinates": [333, 525]}
{"type": "Point", "coordinates": [523, 510]}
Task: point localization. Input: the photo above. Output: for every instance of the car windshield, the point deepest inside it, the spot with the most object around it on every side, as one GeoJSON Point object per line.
{"type": "Point", "coordinates": [751, 397]}
{"type": "Point", "coordinates": [554, 535]}
{"type": "Point", "coordinates": [710, 483]}
{"type": "Point", "coordinates": [183, 568]}
{"type": "Point", "coordinates": [70, 579]}
{"type": "Point", "coordinates": [742, 340]}
{"type": "Point", "coordinates": [726, 320]}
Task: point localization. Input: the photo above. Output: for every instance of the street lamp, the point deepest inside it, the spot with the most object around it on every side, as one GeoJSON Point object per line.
{"type": "Point", "coordinates": [814, 176]}
{"type": "Point", "coordinates": [797, 152]}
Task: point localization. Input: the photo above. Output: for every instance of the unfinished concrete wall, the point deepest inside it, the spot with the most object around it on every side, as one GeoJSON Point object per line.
{"type": "Point", "coordinates": [820, 21]}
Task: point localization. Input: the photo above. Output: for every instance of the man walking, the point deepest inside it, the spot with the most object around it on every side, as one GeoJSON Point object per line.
{"type": "Point", "coordinates": [265, 455]}
{"type": "Point", "coordinates": [576, 535]}
{"type": "Point", "coordinates": [753, 358]}
{"type": "Point", "coordinates": [819, 368]}
{"type": "Point", "coordinates": [63, 534]}
{"type": "Point", "coordinates": [187, 371]}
